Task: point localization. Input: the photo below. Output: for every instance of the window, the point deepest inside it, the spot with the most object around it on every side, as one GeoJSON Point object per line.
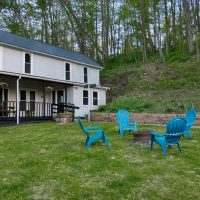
{"type": "Point", "coordinates": [85, 75]}
{"type": "Point", "coordinates": [67, 71]}
{"type": "Point", "coordinates": [27, 63]}
{"type": "Point", "coordinates": [95, 98]}
{"type": "Point", "coordinates": [85, 97]}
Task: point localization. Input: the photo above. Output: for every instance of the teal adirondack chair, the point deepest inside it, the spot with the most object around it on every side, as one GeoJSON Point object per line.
{"type": "Point", "coordinates": [190, 117]}
{"type": "Point", "coordinates": [99, 134]}
{"type": "Point", "coordinates": [174, 130]}
{"type": "Point", "coordinates": [125, 123]}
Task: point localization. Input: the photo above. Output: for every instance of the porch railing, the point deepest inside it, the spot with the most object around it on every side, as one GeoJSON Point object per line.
{"type": "Point", "coordinates": [61, 108]}
{"type": "Point", "coordinates": [32, 111]}
{"type": "Point", "coordinates": [27, 110]}
{"type": "Point", "coordinates": [7, 109]}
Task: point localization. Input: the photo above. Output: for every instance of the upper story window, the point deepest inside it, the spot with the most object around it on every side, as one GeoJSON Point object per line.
{"type": "Point", "coordinates": [27, 63]}
{"type": "Point", "coordinates": [85, 75]}
{"type": "Point", "coordinates": [85, 97]}
{"type": "Point", "coordinates": [67, 71]}
{"type": "Point", "coordinates": [95, 98]}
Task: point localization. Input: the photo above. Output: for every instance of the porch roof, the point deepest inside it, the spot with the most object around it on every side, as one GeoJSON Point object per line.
{"type": "Point", "coordinates": [25, 43]}
{"type": "Point", "coordinates": [49, 79]}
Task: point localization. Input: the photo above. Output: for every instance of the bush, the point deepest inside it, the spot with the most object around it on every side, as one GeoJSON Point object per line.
{"type": "Point", "coordinates": [132, 104]}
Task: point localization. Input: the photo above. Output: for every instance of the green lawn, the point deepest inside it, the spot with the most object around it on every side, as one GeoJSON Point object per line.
{"type": "Point", "coordinates": [49, 161]}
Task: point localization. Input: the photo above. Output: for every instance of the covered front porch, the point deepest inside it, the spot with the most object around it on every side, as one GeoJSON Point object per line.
{"type": "Point", "coordinates": [24, 99]}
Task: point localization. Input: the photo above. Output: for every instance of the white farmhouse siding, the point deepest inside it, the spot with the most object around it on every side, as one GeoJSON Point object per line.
{"type": "Point", "coordinates": [45, 66]}
{"type": "Point", "coordinates": [78, 74]}
{"type": "Point", "coordinates": [12, 60]}
{"type": "Point", "coordinates": [102, 97]}
{"type": "Point", "coordinates": [78, 100]}
{"type": "Point", "coordinates": [93, 76]}
{"type": "Point", "coordinates": [70, 95]}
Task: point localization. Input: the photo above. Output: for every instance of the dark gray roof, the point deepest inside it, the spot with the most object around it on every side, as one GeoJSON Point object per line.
{"type": "Point", "coordinates": [34, 45]}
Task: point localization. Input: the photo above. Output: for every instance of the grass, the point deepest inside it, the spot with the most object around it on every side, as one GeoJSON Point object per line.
{"type": "Point", "coordinates": [49, 161]}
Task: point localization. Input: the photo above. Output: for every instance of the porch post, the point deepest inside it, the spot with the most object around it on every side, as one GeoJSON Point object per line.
{"type": "Point", "coordinates": [17, 100]}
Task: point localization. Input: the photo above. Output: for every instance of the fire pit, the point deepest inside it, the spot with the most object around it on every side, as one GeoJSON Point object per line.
{"type": "Point", "coordinates": [141, 137]}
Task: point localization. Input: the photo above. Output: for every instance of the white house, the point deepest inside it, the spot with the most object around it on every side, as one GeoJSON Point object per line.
{"type": "Point", "coordinates": [33, 75]}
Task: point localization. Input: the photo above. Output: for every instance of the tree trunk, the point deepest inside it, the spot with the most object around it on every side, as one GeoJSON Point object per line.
{"type": "Point", "coordinates": [188, 26]}
{"type": "Point", "coordinates": [156, 20]}
{"type": "Point", "coordinates": [166, 28]}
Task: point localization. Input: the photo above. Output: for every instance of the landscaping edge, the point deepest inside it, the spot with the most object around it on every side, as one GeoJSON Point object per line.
{"type": "Point", "coordinates": [142, 118]}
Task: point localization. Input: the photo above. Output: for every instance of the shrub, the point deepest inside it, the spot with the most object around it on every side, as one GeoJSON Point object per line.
{"type": "Point", "coordinates": [132, 104]}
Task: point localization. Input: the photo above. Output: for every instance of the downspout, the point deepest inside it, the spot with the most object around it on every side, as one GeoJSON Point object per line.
{"type": "Point", "coordinates": [17, 98]}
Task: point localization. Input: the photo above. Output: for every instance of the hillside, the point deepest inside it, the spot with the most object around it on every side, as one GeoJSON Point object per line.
{"type": "Point", "coordinates": [152, 87]}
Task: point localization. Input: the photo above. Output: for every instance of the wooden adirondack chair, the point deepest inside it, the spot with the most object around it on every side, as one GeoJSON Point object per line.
{"type": "Point", "coordinates": [125, 123]}
{"type": "Point", "coordinates": [99, 134]}
{"type": "Point", "coordinates": [174, 130]}
{"type": "Point", "coordinates": [190, 117]}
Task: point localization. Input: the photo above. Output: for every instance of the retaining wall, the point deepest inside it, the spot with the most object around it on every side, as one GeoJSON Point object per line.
{"type": "Point", "coordinates": [142, 118]}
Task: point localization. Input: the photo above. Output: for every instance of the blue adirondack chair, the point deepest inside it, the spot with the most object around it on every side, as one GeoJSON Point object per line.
{"type": "Point", "coordinates": [99, 134]}
{"type": "Point", "coordinates": [125, 123]}
{"type": "Point", "coordinates": [190, 118]}
{"type": "Point", "coordinates": [174, 130]}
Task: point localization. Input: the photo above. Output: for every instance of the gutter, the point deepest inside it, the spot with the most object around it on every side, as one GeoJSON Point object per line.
{"type": "Point", "coordinates": [47, 79]}
{"type": "Point", "coordinates": [39, 78]}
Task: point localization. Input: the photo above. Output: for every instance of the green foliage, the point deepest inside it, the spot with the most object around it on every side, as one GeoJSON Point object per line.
{"type": "Point", "coordinates": [176, 58]}
{"type": "Point", "coordinates": [132, 104]}
{"type": "Point", "coordinates": [120, 60]}
{"type": "Point", "coordinates": [177, 54]}
{"type": "Point", "coordinates": [169, 84]}
{"type": "Point", "coordinates": [165, 88]}
{"type": "Point", "coordinates": [178, 107]}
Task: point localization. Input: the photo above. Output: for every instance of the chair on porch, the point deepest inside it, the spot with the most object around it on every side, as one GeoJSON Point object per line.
{"type": "Point", "coordinates": [98, 134]}
{"type": "Point", "coordinates": [125, 123]}
{"type": "Point", "coordinates": [174, 130]}
{"type": "Point", "coordinates": [190, 117]}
